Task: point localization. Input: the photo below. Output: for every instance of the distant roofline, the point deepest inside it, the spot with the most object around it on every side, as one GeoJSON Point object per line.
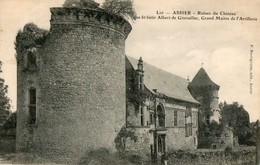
{"type": "Point", "coordinates": [157, 67]}
{"type": "Point", "coordinates": [170, 97]}
{"type": "Point", "coordinates": [202, 79]}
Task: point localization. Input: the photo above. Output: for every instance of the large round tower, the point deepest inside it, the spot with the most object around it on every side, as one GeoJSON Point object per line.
{"type": "Point", "coordinates": [80, 89]}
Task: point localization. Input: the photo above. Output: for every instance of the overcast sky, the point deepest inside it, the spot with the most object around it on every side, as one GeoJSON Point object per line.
{"type": "Point", "coordinates": [177, 46]}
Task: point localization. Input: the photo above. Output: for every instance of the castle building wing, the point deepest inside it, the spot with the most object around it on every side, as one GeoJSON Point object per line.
{"type": "Point", "coordinates": [163, 82]}
{"type": "Point", "coordinates": [202, 79]}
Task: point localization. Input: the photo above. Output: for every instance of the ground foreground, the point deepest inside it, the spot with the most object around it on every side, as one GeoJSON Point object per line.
{"type": "Point", "coordinates": [237, 156]}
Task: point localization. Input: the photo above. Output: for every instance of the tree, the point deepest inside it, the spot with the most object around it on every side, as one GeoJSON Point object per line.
{"type": "Point", "coordinates": [251, 135]}
{"type": "Point", "coordinates": [208, 133]}
{"type": "Point", "coordinates": [235, 116]}
{"type": "Point", "coordinates": [10, 124]}
{"type": "Point", "coordinates": [81, 4]}
{"type": "Point", "coordinates": [123, 8]}
{"type": "Point", "coordinates": [4, 100]}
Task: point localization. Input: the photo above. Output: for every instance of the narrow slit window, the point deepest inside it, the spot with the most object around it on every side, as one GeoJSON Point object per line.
{"type": "Point", "coordinates": [151, 119]}
{"type": "Point", "coordinates": [32, 106]}
{"type": "Point", "coordinates": [141, 83]}
{"type": "Point", "coordinates": [175, 119]}
{"type": "Point", "coordinates": [142, 117]}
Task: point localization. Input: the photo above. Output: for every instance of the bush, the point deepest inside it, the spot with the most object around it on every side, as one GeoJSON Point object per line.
{"type": "Point", "coordinates": [103, 156]}
{"type": "Point", "coordinates": [228, 150]}
{"type": "Point", "coordinates": [121, 137]}
{"type": "Point", "coordinates": [211, 156]}
{"type": "Point", "coordinates": [136, 159]}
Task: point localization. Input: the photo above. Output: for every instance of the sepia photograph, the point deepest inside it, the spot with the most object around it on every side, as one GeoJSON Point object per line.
{"type": "Point", "coordinates": [127, 82]}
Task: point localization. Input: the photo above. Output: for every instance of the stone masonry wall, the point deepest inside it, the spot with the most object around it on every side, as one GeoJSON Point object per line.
{"type": "Point", "coordinates": [81, 99]}
{"type": "Point", "coordinates": [26, 79]}
{"type": "Point", "coordinates": [176, 135]}
{"type": "Point", "coordinates": [176, 139]}
{"type": "Point", "coordinates": [142, 145]}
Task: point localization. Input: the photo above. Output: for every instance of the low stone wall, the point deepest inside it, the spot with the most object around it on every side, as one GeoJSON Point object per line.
{"type": "Point", "coordinates": [239, 156]}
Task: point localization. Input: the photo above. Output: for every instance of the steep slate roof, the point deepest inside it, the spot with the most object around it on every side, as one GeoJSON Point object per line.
{"type": "Point", "coordinates": [202, 79]}
{"type": "Point", "coordinates": [166, 83]}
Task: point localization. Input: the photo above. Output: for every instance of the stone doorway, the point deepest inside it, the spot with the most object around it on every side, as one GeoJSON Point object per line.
{"type": "Point", "coordinates": [161, 145]}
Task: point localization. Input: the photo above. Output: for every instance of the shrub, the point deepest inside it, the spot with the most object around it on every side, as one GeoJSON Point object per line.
{"type": "Point", "coordinates": [121, 137]}
{"type": "Point", "coordinates": [102, 156]}
{"type": "Point", "coordinates": [228, 150]}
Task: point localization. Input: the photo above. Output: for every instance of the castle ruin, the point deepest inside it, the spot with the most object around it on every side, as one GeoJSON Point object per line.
{"type": "Point", "coordinates": [71, 89]}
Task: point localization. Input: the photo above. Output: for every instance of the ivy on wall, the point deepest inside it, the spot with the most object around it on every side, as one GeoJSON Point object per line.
{"type": "Point", "coordinates": [124, 133]}
{"type": "Point", "coordinates": [30, 36]}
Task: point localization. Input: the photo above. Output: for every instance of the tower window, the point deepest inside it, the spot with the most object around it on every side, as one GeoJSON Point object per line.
{"type": "Point", "coordinates": [208, 119]}
{"type": "Point", "coordinates": [142, 116]}
{"type": "Point", "coordinates": [31, 60]}
{"type": "Point", "coordinates": [32, 106]}
{"type": "Point", "coordinates": [141, 83]}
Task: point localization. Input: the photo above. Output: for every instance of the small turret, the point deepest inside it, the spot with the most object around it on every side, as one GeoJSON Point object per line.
{"type": "Point", "coordinates": [140, 72]}
{"type": "Point", "coordinates": [188, 79]}
{"type": "Point", "coordinates": [204, 90]}
{"type": "Point", "coordinates": [202, 79]}
{"type": "Point", "coordinates": [140, 65]}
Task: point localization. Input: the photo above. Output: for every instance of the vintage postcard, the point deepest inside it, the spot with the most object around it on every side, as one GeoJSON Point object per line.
{"type": "Point", "coordinates": [129, 82]}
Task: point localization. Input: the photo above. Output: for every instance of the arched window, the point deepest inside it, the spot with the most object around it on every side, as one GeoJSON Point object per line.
{"type": "Point", "coordinates": [161, 116]}
{"type": "Point", "coordinates": [32, 106]}
{"type": "Point", "coordinates": [31, 59]}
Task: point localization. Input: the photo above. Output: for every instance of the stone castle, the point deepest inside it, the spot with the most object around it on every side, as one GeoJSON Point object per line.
{"type": "Point", "coordinates": [78, 90]}
{"type": "Point", "coordinates": [73, 99]}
